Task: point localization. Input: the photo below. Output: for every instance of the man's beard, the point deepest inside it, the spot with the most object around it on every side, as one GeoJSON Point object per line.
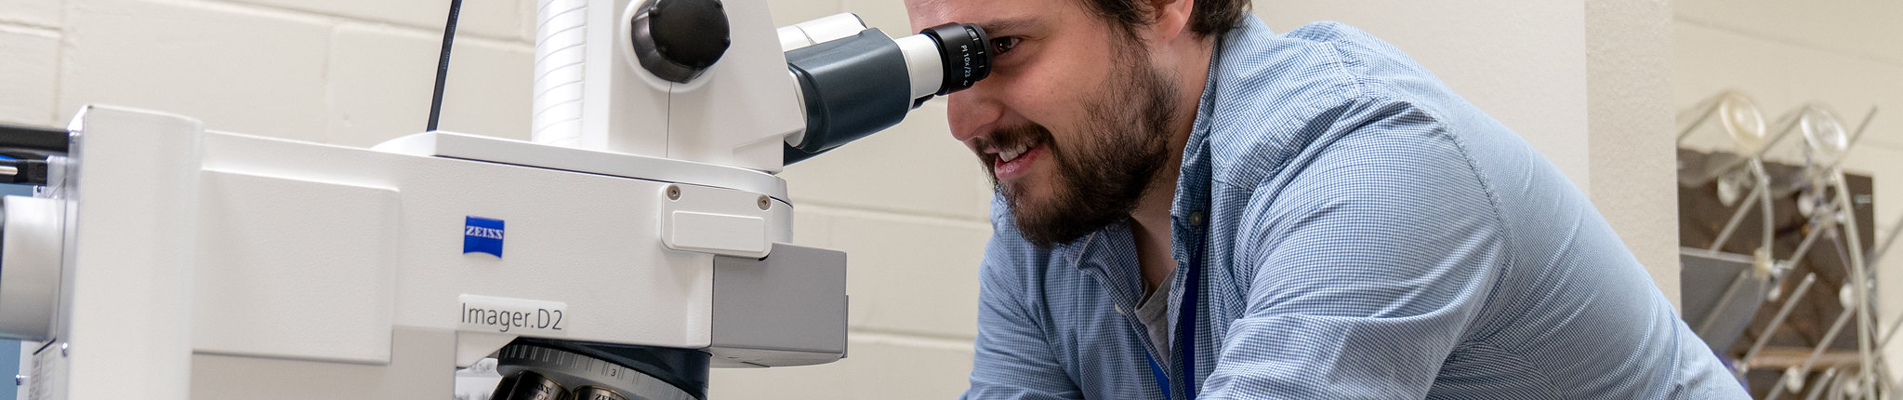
{"type": "Point", "coordinates": [1099, 179]}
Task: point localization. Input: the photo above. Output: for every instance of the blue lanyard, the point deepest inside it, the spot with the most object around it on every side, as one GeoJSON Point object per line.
{"type": "Point", "coordinates": [1186, 319]}
{"type": "Point", "coordinates": [1162, 381]}
{"type": "Point", "coordinates": [1185, 328]}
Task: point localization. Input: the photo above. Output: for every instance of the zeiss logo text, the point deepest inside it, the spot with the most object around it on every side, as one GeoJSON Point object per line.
{"type": "Point", "coordinates": [482, 235]}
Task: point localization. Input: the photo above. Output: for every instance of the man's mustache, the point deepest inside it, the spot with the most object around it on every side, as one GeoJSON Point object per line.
{"type": "Point", "coordinates": [1007, 137]}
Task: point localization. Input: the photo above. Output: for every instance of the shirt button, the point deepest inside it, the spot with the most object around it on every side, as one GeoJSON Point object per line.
{"type": "Point", "coordinates": [1196, 219]}
{"type": "Point", "coordinates": [1120, 309]}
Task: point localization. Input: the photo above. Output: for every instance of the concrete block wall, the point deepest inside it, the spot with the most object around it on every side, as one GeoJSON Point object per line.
{"type": "Point", "coordinates": [1847, 54]}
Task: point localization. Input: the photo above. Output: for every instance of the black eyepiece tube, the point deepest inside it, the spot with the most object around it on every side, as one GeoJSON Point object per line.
{"type": "Point", "coordinates": [857, 85]}
{"type": "Point", "coordinates": [852, 87]}
{"type": "Point", "coordinates": [966, 54]}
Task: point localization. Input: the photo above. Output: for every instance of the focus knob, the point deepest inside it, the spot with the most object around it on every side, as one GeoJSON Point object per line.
{"type": "Point", "coordinates": [677, 40]}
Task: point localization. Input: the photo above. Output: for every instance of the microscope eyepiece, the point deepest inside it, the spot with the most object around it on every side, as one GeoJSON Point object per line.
{"type": "Point", "coordinates": [854, 85]}
{"type": "Point", "coordinates": [966, 53]}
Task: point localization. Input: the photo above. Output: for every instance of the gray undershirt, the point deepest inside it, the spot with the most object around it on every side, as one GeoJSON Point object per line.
{"type": "Point", "coordinates": [1154, 313]}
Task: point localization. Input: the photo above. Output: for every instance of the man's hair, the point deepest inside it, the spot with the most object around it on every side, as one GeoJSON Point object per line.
{"type": "Point", "coordinates": [1206, 17]}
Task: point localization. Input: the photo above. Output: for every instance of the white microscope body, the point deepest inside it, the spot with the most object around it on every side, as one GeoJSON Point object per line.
{"type": "Point", "coordinates": [638, 240]}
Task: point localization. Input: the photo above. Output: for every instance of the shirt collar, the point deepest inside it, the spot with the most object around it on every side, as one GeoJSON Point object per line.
{"type": "Point", "coordinates": [1189, 209]}
{"type": "Point", "coordinates": [1192, 182]}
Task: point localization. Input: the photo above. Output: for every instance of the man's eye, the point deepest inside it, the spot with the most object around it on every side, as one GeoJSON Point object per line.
{"type": "Point", "coordinates": [1004, 44]}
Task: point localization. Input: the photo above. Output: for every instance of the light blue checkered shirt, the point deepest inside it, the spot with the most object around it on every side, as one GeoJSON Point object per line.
{"type": "Point", "coordinates": [1369, 235]}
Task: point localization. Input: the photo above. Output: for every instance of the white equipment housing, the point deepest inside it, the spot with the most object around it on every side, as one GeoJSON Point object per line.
{"type": "Point", "coordinates": [590, 92]}
{"type": "Point", "coordinates": [221, 265]}
{"type": "Point", "coordinates": [164, 261]}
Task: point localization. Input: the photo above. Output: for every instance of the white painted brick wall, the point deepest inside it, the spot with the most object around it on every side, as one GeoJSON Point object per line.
{"type": "Point", "coordinates": [381, 77]}
{"type": "Point", "coordinates": [29, 55]}
{"type": "Point", "coordinates": [914, 275]}
{"type": "Point", "coordinates": [29, 74]}
{"type": "Point", "coordinates": [788, 12]}
{"type": "Point", "coordinates": [887, 15]}
{"type": "Point", "coordinates": [480, 18]}
{"type": "Point", "coordinates": [1847, 54]}
{"type": "Point", "coordinates": [36, 13]}
{"type": "Point", "coordinates": [919, 169]}
{"type": "Point", "coordinates": [238, 69]}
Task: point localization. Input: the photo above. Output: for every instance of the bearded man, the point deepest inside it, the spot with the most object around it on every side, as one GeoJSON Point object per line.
{"type": "Point", "coordinates": [1190, 206]}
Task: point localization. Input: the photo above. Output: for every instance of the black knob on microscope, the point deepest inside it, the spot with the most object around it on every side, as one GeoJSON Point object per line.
{"type": "Point", "coordinates": [677, 40]}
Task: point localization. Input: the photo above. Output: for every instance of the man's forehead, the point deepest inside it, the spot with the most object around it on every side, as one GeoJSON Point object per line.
{"type": "Point", "coordinates": [926, 13]}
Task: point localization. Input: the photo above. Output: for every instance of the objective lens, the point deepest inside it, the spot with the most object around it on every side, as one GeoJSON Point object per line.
{"type": "Point", "coordinates": [528, 385]}
{"type": "Point", "coordinates": [597, 393]}
{"type": "Point", "coordinates": [966, 52]}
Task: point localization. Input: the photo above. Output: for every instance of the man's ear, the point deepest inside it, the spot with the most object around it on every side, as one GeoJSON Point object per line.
{"type": "Point", "coordinates": [1172, 18]}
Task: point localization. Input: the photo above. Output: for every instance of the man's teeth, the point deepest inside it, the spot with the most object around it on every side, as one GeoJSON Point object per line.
{"type": "Point", "coordinates": [1012, 153]}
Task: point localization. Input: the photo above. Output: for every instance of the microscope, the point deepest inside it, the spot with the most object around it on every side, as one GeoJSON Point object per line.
{"type": "Point", "coordinates": [639, 238]}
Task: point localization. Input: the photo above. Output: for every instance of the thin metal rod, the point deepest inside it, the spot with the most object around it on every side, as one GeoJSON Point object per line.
{"type": "Point", "coordinates": [1856, 137]}
{"type": "Point", "coordinates": [1789, 122]}
{"type": "Point", "coordinates": [1737, 217]}
{"type": "Point", "coordinates": [1883, 366]}
{"type": "Point", "coordinates": [1837, 237]}
{"type": "Point", "coordinates": [1829, 336]}
{"type": "Point", "coordinates": [1818, 227]}
{"type": "Point", "coordinates": [1892, 332]}
{"type": "Point", "coordinates": [1823, 381]}
{"type": "Point", "coordinates": [1764, 205]}
{"type": "Point", "coordinates": [1860, 292]}
{"type": "Point", "coordinates": [1777, 391]}
{"type": "Point", "coordinates": [1888, 239]}
{"type": "Point", "coordinates": [442, 64]}
{"type": "Point", "coordinates": [1710, 105]}
{"type": "Point", "coordinates": [1744, 277]}
{"type": "Point", "coordinates": [1883, 381]}
{"type": "Point", "coordinates": [1790, 303]}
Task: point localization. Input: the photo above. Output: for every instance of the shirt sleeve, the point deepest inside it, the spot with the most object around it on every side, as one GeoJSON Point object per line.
{"type": "Point", "coordinates": [1012, 357]}
{"type": "Point", "coordinates": [1370, 261]}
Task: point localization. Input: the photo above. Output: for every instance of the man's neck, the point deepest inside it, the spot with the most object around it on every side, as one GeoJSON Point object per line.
{"type": "Point", "coordinates": [1151, 227]}
{"type": "Point", "coordinates": [1151, 218]}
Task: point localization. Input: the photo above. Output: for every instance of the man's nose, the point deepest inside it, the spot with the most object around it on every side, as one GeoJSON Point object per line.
{"type": "Point", "coordinates": [973, 111]}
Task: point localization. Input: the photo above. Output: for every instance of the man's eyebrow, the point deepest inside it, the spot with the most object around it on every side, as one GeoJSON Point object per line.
{"type": "Point", "coordinates": [1008, 25]}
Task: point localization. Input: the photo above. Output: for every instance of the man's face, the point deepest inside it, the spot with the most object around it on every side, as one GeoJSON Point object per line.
{"type": "Point", "coordinates": [1071, 123]}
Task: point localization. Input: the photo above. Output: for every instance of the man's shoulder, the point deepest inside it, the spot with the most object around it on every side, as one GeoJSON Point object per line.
{"type": "Point", "coordinates": [1316, 58]}
{"type": "Point", "coordinates": [1254, 66]}
{"type": "Point", "coordinates": [1273, 96]}
{"type": "Point", "coordinates": [1329, 51]}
